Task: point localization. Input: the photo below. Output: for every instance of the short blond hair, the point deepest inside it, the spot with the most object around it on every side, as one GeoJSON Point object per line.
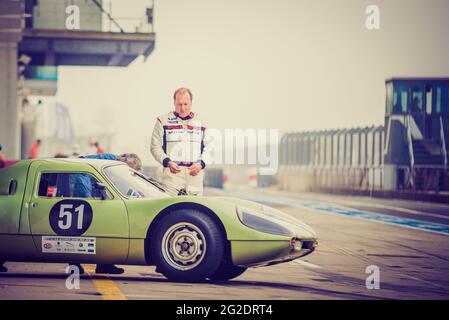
{"type": "Point", "coordinates": [183, 91]}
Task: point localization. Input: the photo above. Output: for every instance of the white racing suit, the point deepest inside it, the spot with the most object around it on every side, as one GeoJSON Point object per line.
{"type": "Point", "coordinates": [182, 140]}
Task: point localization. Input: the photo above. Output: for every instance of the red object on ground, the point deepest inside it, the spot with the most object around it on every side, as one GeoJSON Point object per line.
{"type": "Point", "coordinates": [33, 153]}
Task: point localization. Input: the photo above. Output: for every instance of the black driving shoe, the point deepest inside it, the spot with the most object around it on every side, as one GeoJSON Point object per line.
{"type": "Point", "coordinates": [3, 268]}
{"type": "Point", "coordinates": [108, 268]}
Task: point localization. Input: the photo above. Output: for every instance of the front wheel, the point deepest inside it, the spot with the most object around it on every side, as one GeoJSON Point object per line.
{"type": "Point", "coordinates": [187, 246]}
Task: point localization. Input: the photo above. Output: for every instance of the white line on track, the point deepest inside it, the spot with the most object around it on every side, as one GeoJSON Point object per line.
{"type": "Point", "coordinates": [404, 210]}
{"type": "Point", "coordinates": [307, 264]}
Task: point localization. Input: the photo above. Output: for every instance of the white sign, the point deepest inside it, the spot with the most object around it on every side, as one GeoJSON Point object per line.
{"type": "Point", "coordinates": [70, 245]}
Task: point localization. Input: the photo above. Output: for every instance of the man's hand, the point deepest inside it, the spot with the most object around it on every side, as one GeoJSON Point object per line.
{"type": "Point", "coordinates": [195, 169]}
{"type": "Point", "coordinates": [174, 168]}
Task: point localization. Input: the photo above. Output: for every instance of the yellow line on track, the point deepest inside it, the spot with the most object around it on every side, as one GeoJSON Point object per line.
{"type": "Point", "coordinates": [106, 287]}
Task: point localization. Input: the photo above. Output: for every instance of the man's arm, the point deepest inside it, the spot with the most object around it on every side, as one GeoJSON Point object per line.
{"type": "Point", "coordinates": [206, 145]}
{"type": "Point", "coordinates": [157, 143]}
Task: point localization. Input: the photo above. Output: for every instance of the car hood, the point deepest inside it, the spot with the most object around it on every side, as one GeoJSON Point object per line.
{"type": "Point", "coordinates": [275, 215]}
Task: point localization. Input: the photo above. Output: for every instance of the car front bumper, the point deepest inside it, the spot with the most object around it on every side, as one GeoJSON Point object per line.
{"type": "Point", "coordinates": [266, 253]}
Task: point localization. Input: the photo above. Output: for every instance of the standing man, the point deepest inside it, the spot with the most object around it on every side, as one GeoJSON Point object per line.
{"type": "Point", "coordinates": [33, 152]}
{"type": "Point", "coordinates": [178, 143]}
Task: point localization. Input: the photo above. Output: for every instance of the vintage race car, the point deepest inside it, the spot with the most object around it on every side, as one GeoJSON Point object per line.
{"type": "Point", "coordinates": [100, 211]}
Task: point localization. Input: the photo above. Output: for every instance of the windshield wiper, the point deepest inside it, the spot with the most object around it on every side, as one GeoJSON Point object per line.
{"type": "Point", "coordinates": [161, 186]}
{"type": "Point", "coordinates": [154, 182]}
{"type": "Point", "coordinates": [157, 184]}
{"type": "Point", "coordinates": [179, 192]}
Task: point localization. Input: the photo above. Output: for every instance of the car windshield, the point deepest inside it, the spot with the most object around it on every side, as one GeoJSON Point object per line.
{"type": "Point", "coordinates": [133, 184]}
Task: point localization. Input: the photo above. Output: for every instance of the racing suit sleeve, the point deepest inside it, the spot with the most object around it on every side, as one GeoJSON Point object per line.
{"type": "Point", "coordinates": [157, 144]}
{"type": "Point", "coordinates": [206, 147]}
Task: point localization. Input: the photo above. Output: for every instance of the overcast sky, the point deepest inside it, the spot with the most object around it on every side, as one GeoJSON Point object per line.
{"type": "Point", "coordinates": [292, 65]}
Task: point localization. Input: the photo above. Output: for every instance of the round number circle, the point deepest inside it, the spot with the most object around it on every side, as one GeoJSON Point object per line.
{"type": "Point", "coordinates": [70, 217]}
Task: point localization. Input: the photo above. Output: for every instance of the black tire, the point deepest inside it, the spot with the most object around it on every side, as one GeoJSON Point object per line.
{"type": "Point", "coordinates": [227, 271]}
{"type": "Point", "coordinates": [203, 238]}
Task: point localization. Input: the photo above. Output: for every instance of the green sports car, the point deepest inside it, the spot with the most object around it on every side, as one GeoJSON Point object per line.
{"type": "Point", "coordinates": [103, 212]}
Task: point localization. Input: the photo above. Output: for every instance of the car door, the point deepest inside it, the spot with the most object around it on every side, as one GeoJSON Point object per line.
{"type": "Point", "coordinates": [76, 217]}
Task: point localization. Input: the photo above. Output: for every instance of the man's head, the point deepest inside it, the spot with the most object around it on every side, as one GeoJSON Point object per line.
{"type": "Point", "coordinates": [38, 141]}
{"type": "Point", "coordinates": [183, 101]}
{"type": "Point", "coordinates": [132, 160]}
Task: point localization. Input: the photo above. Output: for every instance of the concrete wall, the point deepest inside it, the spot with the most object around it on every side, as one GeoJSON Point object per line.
{"type": "Point", "coordinates": [9, 109]}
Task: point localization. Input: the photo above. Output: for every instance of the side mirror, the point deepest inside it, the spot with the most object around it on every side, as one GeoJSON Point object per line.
{"type": "Point", "coordinates": [102, 189]}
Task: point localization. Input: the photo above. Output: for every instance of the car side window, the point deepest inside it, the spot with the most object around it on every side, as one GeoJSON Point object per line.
{"type": "Point", "coordinates": [70, 185]}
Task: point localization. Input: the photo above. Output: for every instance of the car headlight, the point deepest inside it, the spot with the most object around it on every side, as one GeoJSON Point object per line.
{"type": "Point", "coordinates": [252, 219]}
{"type": "Point", "coordinates": [279, 215]}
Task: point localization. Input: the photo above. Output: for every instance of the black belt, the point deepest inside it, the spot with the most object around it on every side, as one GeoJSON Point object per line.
{"type": "Point", "coordinates": [184, 163]}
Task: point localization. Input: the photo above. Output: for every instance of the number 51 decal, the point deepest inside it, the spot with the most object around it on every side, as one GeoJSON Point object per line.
{"type": "Point", "coordinates": [70, 217]}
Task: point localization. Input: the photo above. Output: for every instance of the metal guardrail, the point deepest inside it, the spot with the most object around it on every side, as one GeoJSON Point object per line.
{"type": "Point", "coordinates": [387, 137]}
{"type": "Point", "coordinates": [138, 15]}
{"type": "Point", "coordinates": [108, 15]}
{"type": "Point", "coordinates": [410, 152]}
{"type": "Point", "coordinates": [443, 143]}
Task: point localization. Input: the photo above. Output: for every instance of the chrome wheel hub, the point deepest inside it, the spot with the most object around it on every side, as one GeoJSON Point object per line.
{"type": "Point", "coordinates": [183, 246]}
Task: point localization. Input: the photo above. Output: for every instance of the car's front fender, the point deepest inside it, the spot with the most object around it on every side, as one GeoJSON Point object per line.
{"type": "Point", "coordinates": [142, 213]}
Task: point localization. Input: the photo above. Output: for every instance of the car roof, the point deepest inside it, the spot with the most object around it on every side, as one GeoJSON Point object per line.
{"type": "Point", "coordinates": [96, 163]}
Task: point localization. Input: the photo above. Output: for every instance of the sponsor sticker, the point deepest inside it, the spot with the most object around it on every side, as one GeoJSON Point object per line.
{"type": "Point", "coordinates": [47, 245]}
{"type": "Point", "coordinates": [70, 245]}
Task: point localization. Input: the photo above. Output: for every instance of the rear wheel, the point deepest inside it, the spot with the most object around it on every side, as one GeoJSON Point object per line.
{"type": "Point", "coordinates": [187, 246]}
{"type": "Point", "coordinates": [227, 271]}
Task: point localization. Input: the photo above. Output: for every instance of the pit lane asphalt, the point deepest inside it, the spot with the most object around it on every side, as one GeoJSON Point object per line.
{"type": "Point", "coordinates": [413, 263]}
